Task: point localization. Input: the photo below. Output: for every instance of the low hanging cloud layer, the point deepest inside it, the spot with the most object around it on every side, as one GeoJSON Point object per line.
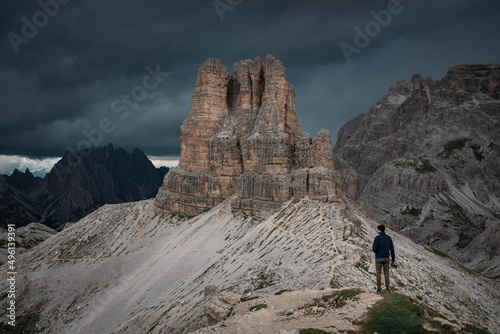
{"type": "Point", "coordinates": [79, 73]}
{"type": "Point", "coordinates": [38, 167]}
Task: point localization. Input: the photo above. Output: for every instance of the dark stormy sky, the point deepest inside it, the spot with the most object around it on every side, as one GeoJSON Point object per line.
{"type": "Point", "coordinates": [68, 66]}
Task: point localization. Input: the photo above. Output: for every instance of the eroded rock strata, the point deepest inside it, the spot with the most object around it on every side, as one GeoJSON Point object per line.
{"type": "Point", "coordinates": [242, 137]}
{"type": "Point", "coordinates": [424, 160]}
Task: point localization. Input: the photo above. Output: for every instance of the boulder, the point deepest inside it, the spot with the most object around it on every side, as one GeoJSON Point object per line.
{"type": "Point", "coordinates": [220, 306]}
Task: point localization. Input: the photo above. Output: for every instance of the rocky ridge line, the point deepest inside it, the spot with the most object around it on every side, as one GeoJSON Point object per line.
{"type": "Point", "coordinates": [78, 184]}
{"type": "Point", "coordinates": [134, 268]}
{"type": "Point", "coordinates": [242, 136]}
{"type": "Point", "coordinates": [425, 161]}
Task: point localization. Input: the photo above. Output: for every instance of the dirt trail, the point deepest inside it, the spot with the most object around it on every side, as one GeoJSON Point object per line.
{"type": "Point", "coordinates": [294, 310]}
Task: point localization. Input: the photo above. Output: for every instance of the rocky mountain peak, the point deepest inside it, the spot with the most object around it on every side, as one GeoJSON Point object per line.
{"type": "Point", "coordinates": [78, 184]}
{"type": "Point", "coordinates": [25, 181]}
{"type": "Point", "coordinates": [242, 136]}
{"type": "Point", "coordinates": [475, 78]}
{"type": "Point", "coordinates": [426, 155]}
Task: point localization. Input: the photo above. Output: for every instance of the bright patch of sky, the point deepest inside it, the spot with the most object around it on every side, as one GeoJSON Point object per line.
{"type": "Point", "coordinates": [39, 167]}
{"type": "Point", "coordinates": [164, 161]}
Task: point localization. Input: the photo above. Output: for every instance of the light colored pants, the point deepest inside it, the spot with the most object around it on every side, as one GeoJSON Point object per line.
{"type": "Point", "coordinates": [379, 264]}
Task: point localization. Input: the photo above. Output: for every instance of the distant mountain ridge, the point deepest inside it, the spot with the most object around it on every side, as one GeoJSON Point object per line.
{"type": "Point", "coordinates": [77, 185]}
{"type": "Point", "coordinates": [425, 160]}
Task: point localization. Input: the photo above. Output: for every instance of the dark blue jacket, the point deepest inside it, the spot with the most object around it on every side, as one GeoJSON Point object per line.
{"type": "Point", "coordinates": [382, 245]}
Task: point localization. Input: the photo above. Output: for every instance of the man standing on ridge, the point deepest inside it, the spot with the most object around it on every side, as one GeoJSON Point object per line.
{"type": "Point", "coordinates": [382, 245]}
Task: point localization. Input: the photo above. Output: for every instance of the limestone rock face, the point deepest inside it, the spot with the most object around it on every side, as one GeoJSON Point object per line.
{"type": "Point", "coordinates": [27, 237]}
{"type": "Point", "coordinates": [425, 161]}
{"type": "Point", "coordinates": [220, 306]}
{"type": "Point", "coordinates": [475, 78]}
{"type": "Point", "coordinates": [242, 137]}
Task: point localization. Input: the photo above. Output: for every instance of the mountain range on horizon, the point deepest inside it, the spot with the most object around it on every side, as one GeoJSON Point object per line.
{"type": "Point", "coordinates": [77, 185]}
{"type": "Point", "coordinates": [254, 231]}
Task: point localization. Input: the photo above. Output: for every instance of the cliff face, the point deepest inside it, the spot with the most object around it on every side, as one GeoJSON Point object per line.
{"type": "Point", "coordinates": [425, 161]}
{"type": "Point", "coordinates": [242, 136]}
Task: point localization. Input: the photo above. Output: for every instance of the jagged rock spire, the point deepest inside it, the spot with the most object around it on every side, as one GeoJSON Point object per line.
{"type": "Point", "coordinates": [242, 136]}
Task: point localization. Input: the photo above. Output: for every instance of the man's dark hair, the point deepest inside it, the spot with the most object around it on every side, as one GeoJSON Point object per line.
{"type": "Point", "coordinates": [381, 228]}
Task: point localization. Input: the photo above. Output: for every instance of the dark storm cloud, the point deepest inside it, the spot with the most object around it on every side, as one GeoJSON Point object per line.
{"type": "Point", "coordinates": [64, 80]}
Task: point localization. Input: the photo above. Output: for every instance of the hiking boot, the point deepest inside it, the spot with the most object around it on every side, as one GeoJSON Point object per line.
{"type": "Point", "coordinates": [387, 290]}
{"type": "Point", "coordinates": [379, 290]}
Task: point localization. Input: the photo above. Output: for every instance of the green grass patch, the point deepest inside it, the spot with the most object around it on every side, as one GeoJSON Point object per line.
{"type": "Point", "coordinates": [401, 314]}
{"type": "Point", "coordinates": [245, 299]}
{"type": "Point", "coordinates": [258, 307]}
{"type": "Point", "coordinates": [282, 292]}
{"type": "Point", "coordinates": [312, 331]}
{"type": "Point", "coordinates": [362, 265]}
{"type": "Point", "coordinates": [265, 280]}
{"type": "Point", "coordinates": [453, 145]}
{"type": "Point", "coordinates": [394, 315]}
{"type": "Point", "coordinates": [334, 284]}
{"type": "Point", "coordinates": [475, 330]}
{"type": "Point", "coordinates": [438, 252]}
{"type": "Point", "coordinates": [412, 211]}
